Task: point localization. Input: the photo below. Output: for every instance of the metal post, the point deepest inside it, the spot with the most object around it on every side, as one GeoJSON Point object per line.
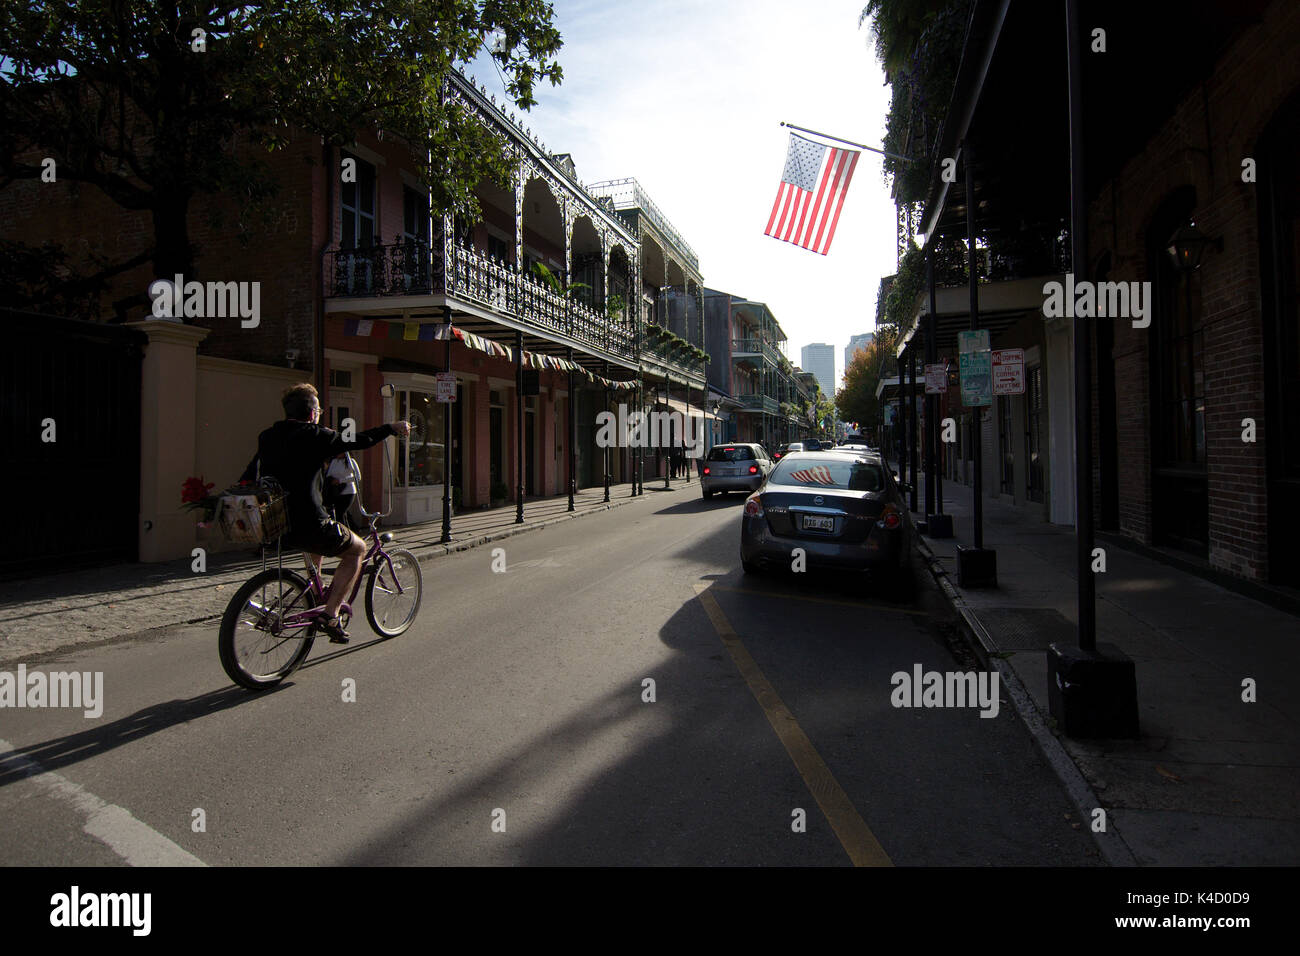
{"type": "Point", "coordinates": [668, 403]}
{"type": "Point", "coordinates": [902, 418]}
{"type": "Point", "coordinates": [446, 443]}
{"type": "Point", "coordinates": [1082, 347]}
{"type": "Point", "coordinates": [573, 451]}
{"type": "Point", "coordinates": [912, 430]}
{"type": "Point", "coordinates": [931, 401]}
{"type": "Point", "coordinates": [606, 368]}
{"type": "Point", "coordinates": [974, 324]}
{"type": "Point", "coordinates": [519, 427]}
{"type": "Point", "coordinates": [686, 462]}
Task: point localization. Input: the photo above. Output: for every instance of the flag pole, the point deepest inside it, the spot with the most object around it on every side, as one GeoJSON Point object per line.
{"type": "Point", "coordinates": [849, 142]}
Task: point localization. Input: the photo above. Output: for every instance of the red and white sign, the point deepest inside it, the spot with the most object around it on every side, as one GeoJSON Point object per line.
{"type": "Point", "coordinates": [1008, 371]}
{"type": "Point", "coordinates": [446, 389]}
{"type": "Point", "coordinates": [936, 379]}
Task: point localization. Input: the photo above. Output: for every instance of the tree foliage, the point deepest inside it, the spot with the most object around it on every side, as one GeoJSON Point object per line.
{"type": "Point", "coordinates": [919, 44]}
{"type": "Point", "coordinates": [856, 400]}
{"type": "Point", "coordinates": [155, 103]}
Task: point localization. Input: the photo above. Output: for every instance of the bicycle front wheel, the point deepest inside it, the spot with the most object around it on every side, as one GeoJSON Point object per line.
{"type": "Point", "coordinates": [257, 651]}
{"type": "Point", "coordinates": [389, 611]}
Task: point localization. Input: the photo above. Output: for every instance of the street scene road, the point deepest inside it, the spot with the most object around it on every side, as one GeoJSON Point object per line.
{"type": "Point", "coordinates": [521, 699]}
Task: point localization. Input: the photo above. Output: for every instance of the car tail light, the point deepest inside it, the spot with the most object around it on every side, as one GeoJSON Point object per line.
{"type": "Point", "coordinates": [753, 507]}
{"type": "Point", "coordinates": [890, 518]}
{"type": "Point", "coordinates": [753, 469]}
{"type": "Point", "coordinates": [706, 469]}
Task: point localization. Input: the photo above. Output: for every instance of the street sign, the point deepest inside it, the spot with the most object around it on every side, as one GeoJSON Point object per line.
{"type": "Point", "coordinates": [446, 389]}
{"type": "Point", "coordinates": [1008, 371]}
{"type": "Point", "coordinates": [976, 379]}
{"type": "Point", "coordinates": [936, 379]}
{"type": "Point", "coordinates": [973, 341]}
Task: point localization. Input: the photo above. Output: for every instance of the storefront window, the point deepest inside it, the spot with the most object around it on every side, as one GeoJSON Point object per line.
{"type": "Point", "coordinates": [420, 458]}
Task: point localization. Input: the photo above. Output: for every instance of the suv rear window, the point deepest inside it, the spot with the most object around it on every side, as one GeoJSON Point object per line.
{"type": "Point", "coordinates": [731, 453]}
{"type": "Point", "coordinates": [829, 473]}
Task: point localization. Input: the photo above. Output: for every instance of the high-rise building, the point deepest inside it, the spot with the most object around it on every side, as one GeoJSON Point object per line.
{"type": "Point", "coordinates": [857, 343]}
{"type": "Point", "coordinates": [819, 358]}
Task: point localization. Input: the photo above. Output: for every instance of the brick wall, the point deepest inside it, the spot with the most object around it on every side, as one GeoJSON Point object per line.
{"type": "Point", "coordinates": [1251, 81]}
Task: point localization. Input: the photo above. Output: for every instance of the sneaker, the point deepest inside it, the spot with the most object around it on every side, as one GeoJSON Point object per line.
{"type": "Point", "coordinates": [334, 628]}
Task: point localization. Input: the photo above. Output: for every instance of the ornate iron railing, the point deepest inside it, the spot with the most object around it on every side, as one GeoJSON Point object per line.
{"type": "Point", "coordinates": [412, 268]}
{"type": "Point", "coordinates": [765, 403]}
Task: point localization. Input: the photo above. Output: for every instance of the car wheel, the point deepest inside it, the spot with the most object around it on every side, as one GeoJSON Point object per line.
{"type": "Point", "coordinates": [706, 494]}
{"type": "Point", "coordinates": [749, 567]}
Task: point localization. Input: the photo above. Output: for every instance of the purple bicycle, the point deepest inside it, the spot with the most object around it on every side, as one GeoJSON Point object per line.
{"type": "Point", "coordinates": [270, 623]}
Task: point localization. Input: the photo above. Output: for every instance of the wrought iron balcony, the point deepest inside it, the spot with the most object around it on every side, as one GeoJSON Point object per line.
{"type": "Point", "coordinates": [759, 403]}
{"type": "Point", "coordinates": [412, 268]}
{"type": "Point", "coordinates": [743, 347]}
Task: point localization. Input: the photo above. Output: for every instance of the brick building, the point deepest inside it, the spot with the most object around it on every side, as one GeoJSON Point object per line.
{"type": "Point", "coordinates": [1191, 187]}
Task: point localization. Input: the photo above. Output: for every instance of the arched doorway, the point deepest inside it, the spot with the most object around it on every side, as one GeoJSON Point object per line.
{"type": "Point", "coordinates": [587, 268]}
{"type": "Point", "coordinates": [1180, 515]}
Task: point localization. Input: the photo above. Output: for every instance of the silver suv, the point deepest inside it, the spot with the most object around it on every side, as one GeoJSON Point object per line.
{"type": "Point", "coordinates": [735, 466]}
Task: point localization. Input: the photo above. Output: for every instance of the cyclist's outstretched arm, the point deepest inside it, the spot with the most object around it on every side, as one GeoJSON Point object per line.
{"type": "Point", "coordinates": [332, 442]}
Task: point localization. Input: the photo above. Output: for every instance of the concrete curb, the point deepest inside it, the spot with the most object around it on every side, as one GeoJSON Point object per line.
{"type": "Point", "coordinates": [1111, 844]}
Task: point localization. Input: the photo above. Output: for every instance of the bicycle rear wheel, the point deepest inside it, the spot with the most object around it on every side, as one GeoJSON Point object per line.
{"type": "Point", "coordinates": [389, 612]}
{"type": "Point", "coordinates": [257, 652]}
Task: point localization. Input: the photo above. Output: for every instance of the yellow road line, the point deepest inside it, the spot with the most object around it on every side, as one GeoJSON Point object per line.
{"type": "Point", "coordinates": [852, 831]}
{"type": "Point", "coordinates": [861, 605]}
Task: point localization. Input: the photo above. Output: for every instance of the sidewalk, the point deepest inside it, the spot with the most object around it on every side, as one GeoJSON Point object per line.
{"type": "Point", "coordinates": [1213, 780]}
{"type": "Point", "coordinates": [41, 615]}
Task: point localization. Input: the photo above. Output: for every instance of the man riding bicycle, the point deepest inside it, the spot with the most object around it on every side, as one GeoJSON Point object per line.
{"type": "Point", "coordinates": [293, 451]}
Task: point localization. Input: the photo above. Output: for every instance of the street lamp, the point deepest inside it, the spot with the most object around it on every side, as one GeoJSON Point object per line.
{"type": "Point", "coordinates": [1188, 244]}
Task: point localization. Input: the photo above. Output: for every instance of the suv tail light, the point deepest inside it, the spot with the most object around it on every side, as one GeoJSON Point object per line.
{"type": "Point", "coordinates": [753, 507]}
{"type": "Point", "coordinates": [753, 469]}
{"type": "Point", "coordinates": [706, 469]}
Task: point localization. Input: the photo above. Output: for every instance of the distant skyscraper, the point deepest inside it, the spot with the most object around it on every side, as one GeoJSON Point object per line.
{"type": "Point", "coordinates": [855, 343]}
{"type": "Point", "coordinates": [819, 358]}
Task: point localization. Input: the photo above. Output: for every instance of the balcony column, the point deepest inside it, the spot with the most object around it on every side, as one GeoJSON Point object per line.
{"type": "Point", "coordinates": [573, 451]}
{"type": "Point", "coordinates": [686, 462]}
{"type": "Point", "coordinates": [519, 427]}
{"type": "Point", "coordinates": [446, 442]}
{"type": "Point", "coordinates": [912, 430]}
{"type": "Point", "coordinates": [606, 390]}
{"type": "Point", "coordinates": [901, 441]}
{"type": "Point", "coordinates": [668, 404]}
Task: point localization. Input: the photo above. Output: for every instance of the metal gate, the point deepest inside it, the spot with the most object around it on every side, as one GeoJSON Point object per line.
{"type": "Point", "coordinates": [70, 409]}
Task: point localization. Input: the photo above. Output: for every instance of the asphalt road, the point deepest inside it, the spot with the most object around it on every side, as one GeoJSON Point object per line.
{"type": "Point", "coordinates": [511, 725]}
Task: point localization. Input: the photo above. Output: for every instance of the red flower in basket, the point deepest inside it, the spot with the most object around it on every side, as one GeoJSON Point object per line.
{"type": "Point", "coordinates": [194, 491]}
{"type": "Point", "coordinates": [195, 495]}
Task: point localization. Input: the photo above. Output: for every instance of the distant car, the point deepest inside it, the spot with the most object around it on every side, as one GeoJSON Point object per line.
{"type": "Point", "coordinates": [737, 466]}
{"type": "Point", "coordinates": [845, 511]}
{"type": "Point", "coordinates": [812, 444]}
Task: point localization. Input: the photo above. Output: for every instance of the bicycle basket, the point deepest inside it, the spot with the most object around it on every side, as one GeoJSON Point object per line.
{"type": "Point", "coordinates": [254, 514]}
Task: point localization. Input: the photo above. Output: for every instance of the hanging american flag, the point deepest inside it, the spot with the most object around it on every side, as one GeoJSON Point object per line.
{"type": "Point", "coordinates": [811, 195]}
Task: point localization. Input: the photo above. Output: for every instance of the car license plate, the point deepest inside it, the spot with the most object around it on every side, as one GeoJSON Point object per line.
{"type": "Point", "coordinates": [818, 524]}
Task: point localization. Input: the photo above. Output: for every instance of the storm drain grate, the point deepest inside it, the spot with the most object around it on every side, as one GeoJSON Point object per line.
{"type": "Point", "coordinates": [1026, 628]}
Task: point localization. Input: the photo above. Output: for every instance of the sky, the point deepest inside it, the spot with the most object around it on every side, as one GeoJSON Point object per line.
{"type": "Point", "coordinates": [687, 97]}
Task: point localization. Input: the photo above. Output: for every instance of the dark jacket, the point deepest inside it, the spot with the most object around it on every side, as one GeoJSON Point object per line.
{"type": "Point", "coordinates": [294, 453]}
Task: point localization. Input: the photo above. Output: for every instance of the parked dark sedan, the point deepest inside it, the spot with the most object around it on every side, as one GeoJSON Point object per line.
{"type": "Point", "coordinates": [844, 511]}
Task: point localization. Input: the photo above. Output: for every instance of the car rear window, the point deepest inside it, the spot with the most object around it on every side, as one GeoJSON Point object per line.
{"type": "Point", "coordinates": [731, 453]}
{"type": "Point", "coordinates": [829, 473]}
